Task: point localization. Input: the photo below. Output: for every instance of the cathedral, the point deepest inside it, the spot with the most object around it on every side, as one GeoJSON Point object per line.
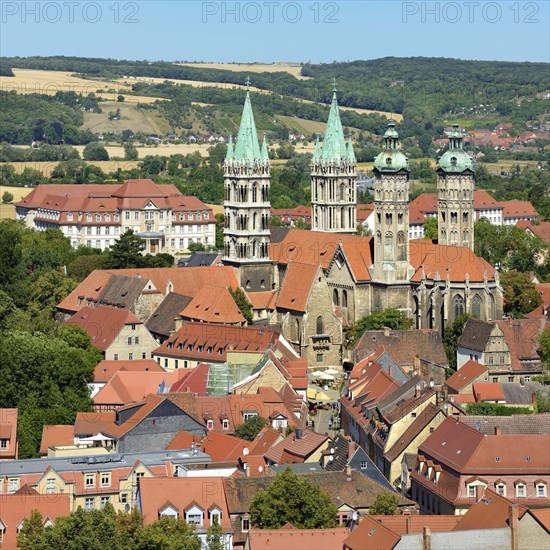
{"type": "Point", "coordinates": [325, 278]}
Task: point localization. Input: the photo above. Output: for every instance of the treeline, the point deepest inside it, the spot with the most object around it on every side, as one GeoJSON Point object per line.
{"type": "Point", "coordinates": [38, 117]}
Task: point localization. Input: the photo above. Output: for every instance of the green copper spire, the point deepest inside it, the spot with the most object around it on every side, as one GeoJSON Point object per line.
{"type": "Point", "coordinates": [456, 159]}
{"type": "Point", "coordinates": [334, 145]}
{"type": "Point", "coordinates": [264, 152]}
{"type": "Point", "coordinates": [317, 150]}
{"type": "Point", "coordinates": [351, 152]}
{"type": "Point", "coordinates": [230, 150]}
{"type": "Point", "coordinates": [247, 148]}
{"type": "Point", "coordinates": [391, 159]}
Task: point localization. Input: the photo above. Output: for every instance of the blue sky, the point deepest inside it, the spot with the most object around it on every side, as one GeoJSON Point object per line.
{"type": "Point", "coordinates": [263, 31]}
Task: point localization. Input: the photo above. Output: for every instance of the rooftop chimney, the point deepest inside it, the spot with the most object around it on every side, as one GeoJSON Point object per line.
{"type": "Point", "coordinates": [351, 448]}
{"type": "Point", "coordinates": [348, 473]}
{"type": "Point", "coordinates": [426, 539]}
{"type": "Point", "coordinates": [408, 525]}
{"type": "Point", "coordinates": [417, 391]}
{"type": "Point", "coordinates": [299, 433]}
{"type": "Point", "coordinates": [513, 522]}
{"type": "Point", "coordinates": [498, 430]}
{"type": "Point", "coordinates": [386, 331]}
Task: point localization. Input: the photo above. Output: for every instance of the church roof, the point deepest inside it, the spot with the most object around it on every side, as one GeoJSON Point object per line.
{"type": "Point", "coordinates": [334, 146]}
{"type": "Point", "coordinates": [455, 160]}
{"type": "Point", "coordinates": [391, 159]}
{"type": "Point", "coordinates": [247, 148]}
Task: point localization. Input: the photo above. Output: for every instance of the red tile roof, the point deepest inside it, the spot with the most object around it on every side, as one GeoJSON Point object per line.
{"type": "Point", "coordinates": [294, 449]}
{"type": "Point", "coordinates": [403, 525]}
{"type": "Point", "coordinates": [522, 337]}
{"type": "Point", "coordinates": [183, 440]}
{"type": "Point", "coordinates": [103, 324]}
{"type": "Point", "coordinates": [364, 211]}
{"type": "Point", "coordinates": [213, 304]}
{"type": "Point", "coordinates": [263, 300]}
{"type": "Point", "coordinates": [484, 201]}
{"type": "Point", "coordinates": [220, 338]}
{"type": "Point", "coordinates": [371, 535]}
{"type": "Point", "coordinates": [540, 230]}
{"type": "Point", "coordinates": [8, 430]}
{"type": "Point", "coordinates": [542, 515]}
{"type": "Point", "coordinates": [105, 369]}
{"type": "Point", "coordinates": [470, 371]}
{"type": "Point", "coordinates": [224, 447]}
{"type": "Point", "coordinates": [297, 285]}
{"type": "Point", "coordinates": [193, 380]}
{"type": "Point", "coordinates": [488, 391]}
{"type": "Point", "coordinates": [515, 209]}
{"type": "Point", "coordinates": [52, 436]}
{"type": "Point", "coordinates": [303, 539]}
{"type": "Point", "coordinates": [182, 493]}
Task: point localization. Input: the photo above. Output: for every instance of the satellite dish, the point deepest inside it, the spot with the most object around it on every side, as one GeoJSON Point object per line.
{"type": "Point", "coordinates": [245, 451]}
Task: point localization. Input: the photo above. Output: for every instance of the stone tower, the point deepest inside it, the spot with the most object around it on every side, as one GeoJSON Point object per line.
{"type": "Point", "coordinates": [334, 179]}
{"type": "Point", "coordinates": [247, 207]}
{"type": "Point", "coordinates": [391, 213]}
{"type": "Point", "coordinates": [455, 194]}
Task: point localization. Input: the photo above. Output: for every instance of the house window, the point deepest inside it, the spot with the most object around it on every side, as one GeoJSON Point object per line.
{"type": "Point", "coordinates": [89, 504]}
{"type": "Point", "coordinates": [245, 524]}
{"type": "Point", "coordinates": [176, 363]}
{"type": "Point", "coordinates": [130, 357]}
{"type": "Point", "coordinates": [510, 379]}
{"type": "Point", "coordinates": [495, 379]}
{"type": "Point", "coordinates": [136, 216]}
{"type": "Point", "coordinates": [13, 485]}
{"type": "Point", "coordinates": [225, 424]}
{"type": "Point", "coordinates": [491, 360]}
{"type": "Point", "coordinates": [144, 355]}
{"type": "Point", "coordinates": [320, 325]}
{"type": "Point", "coordinates": [107, 217]}
{"type": "Point", "coordinates": [105, 479]}
{"type": "Point", "coordinates": [527, 379]}
{"type": "Point", "coordinates": [520, 490]}
{"type": "Point", "coordinates": [103, 501]}
{"type": "Point", "coordinates": [210, 424]}
{"type": "Point", "coordinates": [541, 490]}
{"type": "Point", "coordinates": [124, 498]}
{"type": "Point", "coordinates": [4, 443]}
{"type": "Point", "coordinates": [193, 517]}
{"type": "Point", "coordinates": [247, 415]}
{"type": "Point", "coordinates": [140, 474]}
{"type": "Point", "coordinates": [89, 480]}
{"type": "Point", "coordinates": [501, 489]}
{"type": "Point", "coordinates": [98, 217]}
{"type": "Point", "coordinates": [471, 491]}
{"type": "Point", "coordinates": [136, 340]}
{"type": "Point", "coordinates": [88, 217]}
{"type": "Point", "coordinates": [502, 359]}
{"type": "Point", "coordinates": [115, 356]}
{"type": "Point", "coordinates": [50, 485]}
{"type": "Point", "coordinates": [129, 340]}
{"type": "Point", "coordinates": [363, 464]}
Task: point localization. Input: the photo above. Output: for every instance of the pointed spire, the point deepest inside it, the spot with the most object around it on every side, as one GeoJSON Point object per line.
{"type": "Point", "coordinates": [317, 150]}
{"type": "Point", "coordinates": [247, 148]}
{"type": "Point", "coordinates": [334, 145]}
{"type": "Point", "coordinates": [264, 152]}
{"type": "Point", "coordinates": [351, 152]}
{"type": "Point", "coordinates": [230, 150]}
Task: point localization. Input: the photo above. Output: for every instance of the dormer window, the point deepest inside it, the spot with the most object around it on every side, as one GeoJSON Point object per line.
{"type": "Point", "coordinates": [169, 511]}
{"type": "Point", "coordinates": [521, 491]}
{"type": "Point", "coordinates": [249, 414]}
{"type": "Point", "coordinates": [88, 217]}
{"type": "Point", "coordinates": [541, 490]}
{"type": "Point", "coordinates": [215, 515]}
{"type": "Point", "coordinates": [210, 424]}
{"type": "Point", "coordinates": [225, 424]}
{"type": "Point", "coordinates": [194, 516]}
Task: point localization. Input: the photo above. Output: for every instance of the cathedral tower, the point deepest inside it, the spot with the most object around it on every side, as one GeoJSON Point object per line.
{"type": "Point", "coordinates": [246, 205]}
{"type": "Point", "coordinates": [391, 213]}
{"type": "Point", "coordinates": [455, 194]}
{"type": "Point", "coordinates": [334, 179]}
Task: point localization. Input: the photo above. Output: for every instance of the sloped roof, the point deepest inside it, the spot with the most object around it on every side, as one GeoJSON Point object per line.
{"type": "Point", "coordinates": [304, 539]}
{"type": "Point", "coordinates": [8, 430]}
{"type": "Point", "coordinates": [297, 284]}
{"type": "Point", "coordinates": [122, 291]}
{"type": "Point", "coordinates": [488, 391]}
{"type": "Point", "coordinates": [415, 523]}
{"type": "Point", "coordinates": [540, 230]}
{"type": "Point", "coordinates": [105, 369]}
{"type": "Point", "coordinates": [103, 324]}
{"type": "Point", "coordinates": [89, 289]}
{"type": "Point", "coordinates": [162, 320]}
{"type": "Point", "coordinates": [194, 380]}
{"type": "Point", "coordinates": [475, 334]}
{"type": "Point", "coordinates": [294, 449]}
{"type": "Point", "coordinates": [470, 371]}
{"type": "Point", "coordinates": [516, 393]}
{"type": "Point", "coordinates": [224, 447]}
{"type": "Point", "coordinates": [54, 435]}
{"type": "Point", "coordinates": [522, 338]}
{"type": "Point", "coordinates": [263, 300]}
{"type": "Point", "coordinates": [514, 424]}
{"type": "Point", "coordinates": [183, 440]}
{"type": "Point", "coordinates": [371, 535]}
{"type": "Point", "coordinates": [515, 208]}
{"type": "Point", "coordinates": [213, 304]}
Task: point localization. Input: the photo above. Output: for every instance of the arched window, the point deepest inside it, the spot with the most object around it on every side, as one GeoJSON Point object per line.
{"type": "Point", "coordinates": [388, 246]}
{"type": "Point", "coordinates": [458, 303]}
{"type": "Point", "coordinates": [476, 306]}
{"type": "Point", "coordinates": [344, 298]}
{"type": "Point", "coordinates": [320, 325]}
{"type": "Point", "coordinates": [401, 253]}
{"type": "Point", "coordinates": [335, 298]}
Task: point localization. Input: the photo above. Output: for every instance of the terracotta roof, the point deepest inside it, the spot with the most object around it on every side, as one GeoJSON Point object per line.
{"type": "Point", "coordinates": [522, 337]}
{"type": "Point", "coordinates": [53, 436]}
{"type": "Point", "coordinates": [8, 430]}
{"type": "Point", "coordinates": [403, 525]}
{"type": "Point", "coordinates": [514, 424]}
{"type": "Point", "coordinates": [475, 334]}
{"type": "Point", "coordinates": [488, 391]}
{"type": "Point", "coordinates": [370, 534]}
{"type": "Point", "coordinates": [297, 285]}
{"type": "Point", "coordinates": [263, 300]}
{"type": "Point", "coordinates": [213, 304]}
{"type": "Point", "coordinates": [122, 291]}
{"type": "Point", "coordinates": [210, 342]}
{"type": "Point", "coordinates": [193, 380]}
{"type": "Point", "coordinates": [364, 211]}
{"type": "Point", "coordinates": [514, 209]}
{"type": "Point", "coordinates": [425, 203]}
{"type": "Point", "coordinates": [265, 439]}
{"type": "Point", "coordinates": [130, 386]}
{"type": "Point", "coordinates": [105, 369]}
{"type": "Point", "coordinates": [294, 449]}
{"type": "Point", "coordinates": [224, 447]}
{"type": "Point", "coordinates": [103, 324]}
{"type": "Point", "coordinates": [183, 440]}
{"type": "Point", "coordinates": [416, 217]}
{"type": "Point", "coordinates": [15, 508]}
{"type": "Point", "coordinates": [540, 230]}
{"type": "Point", "coordinates": [182, 493]}
{"type": "Point", "coordinates": [89, 289]}
{"type": "Point", "coordinates": [470, 371]}
{"type": "Point", "coordinates": [161, 322]}
{"type": "Point", "coordinates": [484, 201]}
{"type": "Point", "coordinates": [92, 423]}
{"type": "Point", "coordinates": [542, 515]}
{"type": "Point", "coordinates": [445, 261]}
{"type": "Point", "coordinates": [304, 539]}
{"type": "Point", "coordinates": [403, 345]}
{"type": "Point", "coordinates": [462, 398]}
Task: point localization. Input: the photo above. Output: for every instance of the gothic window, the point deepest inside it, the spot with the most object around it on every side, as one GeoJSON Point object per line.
{"type": "Point", "coordinates": [378, 237]}
{"type": "Point", "coordinates": [400, 219]}
{"type": "Point", "coordinates": [454, 236]}
{"type": "Point", "coordinates": [465, 236]}
{"type": "Point", "coordinates": [458, 304]}
{"type": "Point", "coordinates": [388, 161]}
{"type": "Point", "coordinates": [342, 218]}
{"type": "Point", "coordinates": [335, 297]}
{"type": "Point", "coordinates": [454, 217]}
{"type": "Point", "coordinates": [389, 218]}
{"type": "Point", "coordinates": [388, 246]}
{"type": "Point", "coordinates": [401, 253]}
{"type": "Point", "coordinates": [344, 298]}
{"type": "Point", "coordinates": [341, 192]}
{"type": "Point", "coordinates": [255, 192]}
{"type": "Point", "coordinates": [320, 326]}
{"type": "Point", "coordinates": [254, 221]}
{"type": "Point", "coordinates": [465, 217]}
{"type": "Point", "coordinates": [476, 306]}
{"type": "Point", "coordinates": [453, 161]}
{"type": "Point", "coordinates": [443, 216]}
{"type": "Point", "coordinates": [379, 217]}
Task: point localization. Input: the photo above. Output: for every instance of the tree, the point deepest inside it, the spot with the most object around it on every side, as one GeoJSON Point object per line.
{"type": "Point", "coordinates": [250, 428]}
{"type": "Point", "coordinates": [196, 247]}
{"type": "Point", "coordinates": [450, 339]}
{"type": "Point", "coordinates": [430, 229]}
{"type": "Point", "coordinates": [7, 197]}
{"type": "Point", "coordinates": [95, 151]}
{"type": "Point", "coordinates": [520, 294]}
{"type": "Point", "coordinates": [544, 348]}
{"type": "Point", "coordinates": [294, 499]}
{"type": "Point", "coordinates": [82, 266]}
{"type": "Point", "coordinates": [126, 252]}
{"type": "Point", "coordinates": [245, 307]}
{"type": "Point", "coordinates": [543, 400]}
{"type": "Point", "coordinates": [385, 504]}
{"type": "Point", "coordinates": [120, 98]}
{"type": "Point", "coordinates": [130, 152]}
{"type": "Point", "coordinates": [215, 539]}
{"type": "Point", "coordinates": [391, 318]}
